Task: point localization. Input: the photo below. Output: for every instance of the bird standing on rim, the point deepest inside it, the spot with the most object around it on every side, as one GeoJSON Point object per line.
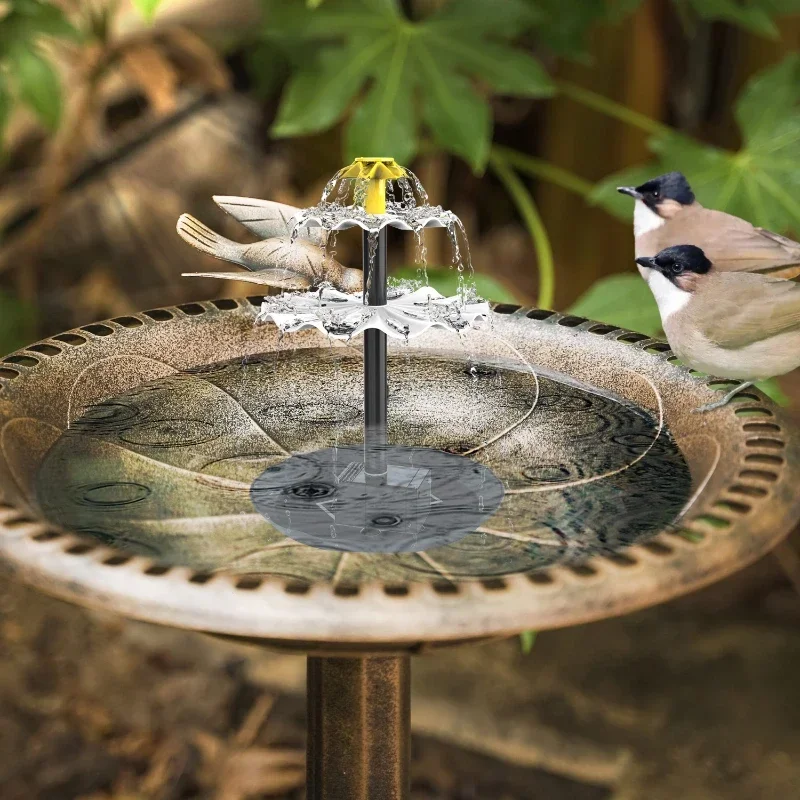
{"type": "Point", "coordinates": [666, 214]}
{"type": "Point", "coordinates": [730, 324]}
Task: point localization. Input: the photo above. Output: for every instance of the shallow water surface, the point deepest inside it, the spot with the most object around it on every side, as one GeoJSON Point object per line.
{"type": "Point", "coordinates": [166, 469]}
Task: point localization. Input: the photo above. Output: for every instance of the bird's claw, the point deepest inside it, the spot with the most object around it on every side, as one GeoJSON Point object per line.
{"type": "Point", "coordinates": [711, 406]}
{"type": "Point", "coordinates": [723, 401]}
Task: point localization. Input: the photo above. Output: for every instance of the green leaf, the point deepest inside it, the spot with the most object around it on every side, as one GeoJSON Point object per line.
{"type": "Point", "coordinates": [764, 102]}
{"type": "Point", "coordinates": [760, 182]}
{"type": "Point", "coordinates": [47, 19]}
{"type": "Point", "coordinates": [445, 281]}
{"type": "Point", "coordinates": [527, 640]}
{"type": "Point", "coordinates": [459, 120]}
{"type": "Point", "coordinates": [624, 300]}
{"type": "Point", "coordinates": [752, 16]}
{"type": "Point", "coordinates": [334, 20]}
{"type": "Point", "coordinates": [317, 96]}
{"type": "Point", "coordinates": [356, 43]}
{"type": "Point", "coordinates": [506, 69]}
{"type": "Point", "coordinates": [31, 19]}
{"type": "Point", "coordinates": [37, 84]}
{"type": "Point", "coordinates": [147, 8]}
{"type": "Point", "coordinates": [384, 122]}
{"type": "Point", "coordinates": [505, 19]}
{"type": "Point", "coordinates": [564, 27]}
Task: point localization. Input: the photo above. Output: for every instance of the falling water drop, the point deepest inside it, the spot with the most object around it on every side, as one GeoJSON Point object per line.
{"type": "Point", "coordinates": [422, 256]}
{"type": "Point", "coordinates": [372, 238]}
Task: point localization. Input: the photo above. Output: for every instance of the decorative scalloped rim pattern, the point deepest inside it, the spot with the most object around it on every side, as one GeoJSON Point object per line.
{"type": "Point", "coordinates": [52, 552]}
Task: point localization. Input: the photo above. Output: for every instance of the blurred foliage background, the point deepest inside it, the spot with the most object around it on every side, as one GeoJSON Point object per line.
{"type": "Point", "coordinates": [520, 115]}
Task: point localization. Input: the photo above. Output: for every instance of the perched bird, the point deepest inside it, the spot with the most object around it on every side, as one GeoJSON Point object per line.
{"type": "Point", "coordinates": [666, 214]}
{"type": "Point", "coordinates": [276, 260]}
{"type": "Point", "coordinates": [729, 324]}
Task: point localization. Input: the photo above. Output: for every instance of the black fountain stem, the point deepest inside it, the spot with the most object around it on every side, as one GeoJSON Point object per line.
{"type": "Point", "coordinates": [376, 386]}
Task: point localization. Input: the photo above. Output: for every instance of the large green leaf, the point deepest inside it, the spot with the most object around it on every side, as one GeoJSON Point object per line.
{"type": "Point", "coordinates": [504, 19]}
{"type": "Point", "coordinates": [564, 27]}
{"type": "Point", "coordinates": [760, 182]}
{"type": "Point", "coordinates": [624, 300]}
{"type": "Point", "coordinates": [384, 122]}
{"type": "Point", "coordinates": [756, 16]}
{"type": "Point", "coordinates": [458, 118]}
{"type": "Point", "coordinates": [37, 84]}
{"type": "Point", "coordinates": [506, 69]}
{"type": "Point", "coordinates": [370, 52]}
{"type": "Point", "coordinates": [317, 95]}
{"type": "Point", "coordinates": [32, 18]}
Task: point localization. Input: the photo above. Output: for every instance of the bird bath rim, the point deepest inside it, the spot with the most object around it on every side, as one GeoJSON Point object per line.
{"type": "Point", "coordinates": [761, 466]}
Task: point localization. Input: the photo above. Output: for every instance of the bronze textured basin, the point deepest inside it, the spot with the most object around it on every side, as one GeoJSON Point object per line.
{"type": "Point", "coordinates": [128, 449]}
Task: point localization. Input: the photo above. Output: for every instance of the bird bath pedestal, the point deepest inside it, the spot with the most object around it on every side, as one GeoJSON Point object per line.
{"type": "Point", "coordinates": [128, 449]}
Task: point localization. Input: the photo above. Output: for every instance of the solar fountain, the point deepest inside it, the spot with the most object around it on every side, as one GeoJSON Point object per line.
{"type": "Point", "coordinates": [458, 474]}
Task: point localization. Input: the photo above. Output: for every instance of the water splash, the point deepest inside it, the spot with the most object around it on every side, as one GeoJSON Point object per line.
{"type": "Point", "coordinates": [343, 205]}
{"type": "Point", "coordinates": [372, 251]}
{"type": "Point", "coordinates": [409, 312]}
{"type": "Point", "coordinates": [422, 257]}
{"type": "Point", "coordinates": [407, 206]}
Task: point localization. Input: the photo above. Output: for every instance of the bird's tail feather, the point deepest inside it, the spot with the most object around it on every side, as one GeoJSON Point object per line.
{"type": "Point", "coordinates": [279, 278]}
{"type": "Point", "coordinates": [201, 237]}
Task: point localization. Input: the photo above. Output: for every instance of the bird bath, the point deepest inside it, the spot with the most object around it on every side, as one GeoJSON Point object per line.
{"type": "Point", "coordinates": [131, 451]}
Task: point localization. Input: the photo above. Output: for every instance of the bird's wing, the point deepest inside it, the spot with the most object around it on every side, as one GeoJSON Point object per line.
{"type": "Point", "coordinates": [299, 256]}
{"type": "Point", "coordinates": [734, 245]}
{"type": "Point", "coordinates": [265, 218]}
{"type": "Point", "coordinates": [740, 309]}
{"type": "Point", "coordinates": [789, 244]}
{"type": "Point", "coordinates": [279, 278]}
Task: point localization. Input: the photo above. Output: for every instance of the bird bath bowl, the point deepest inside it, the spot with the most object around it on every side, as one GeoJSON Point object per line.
{"type": "Point", "coordinates": [128, 450]}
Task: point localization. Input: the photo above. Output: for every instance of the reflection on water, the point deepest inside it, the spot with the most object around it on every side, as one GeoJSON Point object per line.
{"type": "Point", "coordinates": [166, 469]}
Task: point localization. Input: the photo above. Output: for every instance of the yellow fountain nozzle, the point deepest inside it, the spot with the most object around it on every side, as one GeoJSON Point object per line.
{"type": "Point", "coordinates": [377, 171]}
{"type": "Point", "coordinates": [373, 168]}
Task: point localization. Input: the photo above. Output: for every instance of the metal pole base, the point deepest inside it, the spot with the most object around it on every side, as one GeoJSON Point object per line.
{"type": "Point", "coordinates": [359, 720]}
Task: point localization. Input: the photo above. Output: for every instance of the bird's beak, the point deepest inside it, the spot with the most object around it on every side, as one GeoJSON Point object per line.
{"type": "Point", "coordinates": [647, 261]}
{"type": "Point", "coordinates": [631, 190]}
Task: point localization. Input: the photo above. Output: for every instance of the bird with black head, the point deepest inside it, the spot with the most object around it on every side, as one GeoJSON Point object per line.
{"type": "Point", "coordinates": [666, 213]}
{"type": "Point", "coordinates": [735, 325]}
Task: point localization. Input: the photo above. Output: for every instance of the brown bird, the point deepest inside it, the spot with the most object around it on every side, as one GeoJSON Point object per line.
{"type": "Point", "coordinates": [729, 324]}
{"type": "Point", "coordinates": [666, 214]}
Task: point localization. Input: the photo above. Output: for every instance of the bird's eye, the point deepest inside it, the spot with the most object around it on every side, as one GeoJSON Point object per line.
{"type": "Point", "coordinates": [676, 268]}
{"type": "Point", "coordinates": [655, 192]}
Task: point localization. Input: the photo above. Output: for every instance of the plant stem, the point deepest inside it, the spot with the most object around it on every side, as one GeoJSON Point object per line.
{"type": "Point", "coordinates": [613, 109]}
{"type": "Point", "coordinates": [533, 222]}
{"type": "Point", "coordinates": [542, 169]}
{"type": "Point", "coordinates": [527, 639]}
